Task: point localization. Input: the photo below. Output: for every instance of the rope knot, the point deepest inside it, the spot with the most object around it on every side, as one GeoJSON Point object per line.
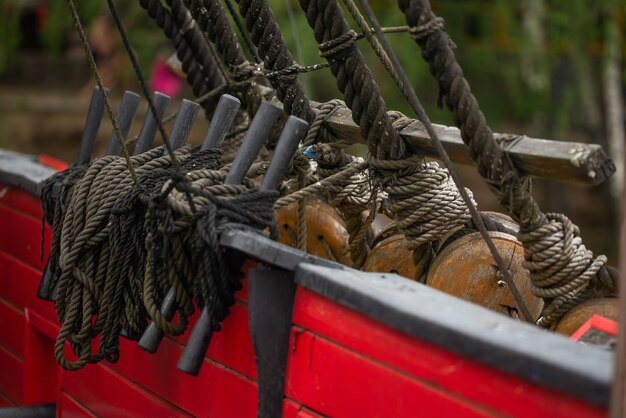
{"type": "Point", "coordinates": [246, 71]}
{"type": "Point", "coordinates": [423, 199]}
{"type": "Point", "coordinates": [339, 48]}
{"type": "Point", "coordinates": [420, 32]}
{"type": "Point", "coordinates": [561, 267]}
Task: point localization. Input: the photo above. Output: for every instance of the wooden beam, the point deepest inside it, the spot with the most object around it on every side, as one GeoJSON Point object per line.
{"type": "Point", "coordinates": [570, 162]}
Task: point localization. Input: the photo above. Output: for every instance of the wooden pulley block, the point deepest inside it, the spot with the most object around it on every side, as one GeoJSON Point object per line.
{"type": "Point", "coordinates": [466, 269]}
{"type": "Point", "coordinates": [391, 256]}
{"type": "Point", "coordinates": [577, 316]}
{"type": "Point", "coordinates": [326, 232]}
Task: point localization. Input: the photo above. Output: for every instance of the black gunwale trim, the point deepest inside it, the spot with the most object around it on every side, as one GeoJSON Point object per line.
{"type": "Point", "coordinates": [23, 171]}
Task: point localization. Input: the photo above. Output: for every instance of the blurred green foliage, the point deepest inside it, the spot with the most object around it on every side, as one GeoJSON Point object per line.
{"type": "Point", "coordinates": [532, 63]}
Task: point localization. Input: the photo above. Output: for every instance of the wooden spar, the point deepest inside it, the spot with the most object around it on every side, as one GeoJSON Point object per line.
{"type": "Point", "coordinates": [563, 161]}
{"type": "Point", "coordinates": [569, 162]}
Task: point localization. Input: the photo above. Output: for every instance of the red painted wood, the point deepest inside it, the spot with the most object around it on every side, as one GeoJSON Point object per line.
{"type": "Point", "coordinates": [19, 283]}
{"type": "Point", "coordinates": [232, 345]}
{"type": "Point", "coordinates": [21, 200]}
{"type": "Point", "coordinates": [11, 376]}
{"type": "Point", "coordinates": [68, 407]}
{"type": "Point", "coordinates": [5, 401]}
{"type": "Point", "coordinates": [216, 392]}
{"type": "Point", "coordinates": [21, 236]}
{"type": "Point", "coordinates": [598, 322]}
{"type": "Point", "coordinates": [338, 382]}
{"type": "Point", "coordinates": [431, 364]}
{"type": "Point", "coordinates": [49, 327]}
{"type": "Point", "coordinates": [41, 372]}
{"type": "Point", "coordinates": [111, 395]}
{"type": "Point", "coordinates": [12, 325]}
{"type": "Point", "coordinates": [293, 409]}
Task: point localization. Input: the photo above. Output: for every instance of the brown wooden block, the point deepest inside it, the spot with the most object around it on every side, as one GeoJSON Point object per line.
{"type": "Point", "coordinates": [466, 269]}
{"type": "Point", "coordinates": [324, 225]}
{"type": "Point", "coordinates": [576, 317]}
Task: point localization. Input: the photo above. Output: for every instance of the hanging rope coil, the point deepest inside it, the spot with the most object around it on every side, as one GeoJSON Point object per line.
{"type": "Point", "coordinates": [196, 226]}
{"type": "Point", "coordinates": [120, 247]}
{"type": "Point", "coordinates": [85, 265]}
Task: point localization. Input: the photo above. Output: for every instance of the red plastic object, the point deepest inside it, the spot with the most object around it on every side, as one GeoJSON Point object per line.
{"type": "Point", "coordinates": [52, 162]}
{"type": "Point", "coordinates": [598, 323]}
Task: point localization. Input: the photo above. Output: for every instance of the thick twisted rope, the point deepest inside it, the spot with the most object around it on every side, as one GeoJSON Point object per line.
{"type": "Point", "coordinates": [186, 53]}
{"type": "Point", "coordinates": [121, 246]}
{"type": "Point", "coordinates": [426, 205]}
{"type": "Point", "coordinates": [212, 20]}
{"type": "Point", "coordinates": [351, 195]}
{"type": "Point", "coordinates": [561, 268]}
{"type": "Point", "coordinates": [272, 49]}
{"type": "Point", "coordinates": [244, 81]}
{"type": "Point", "coordinates": [215, 207]}
{"type": "Point", "coordinates": [81, 266]}
{"type": "Point", "coordinates": [513, 191]}
{"type": "Point", "coordinates": [353, 77]}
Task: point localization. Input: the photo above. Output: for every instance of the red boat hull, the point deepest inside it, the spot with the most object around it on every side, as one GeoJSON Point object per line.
{"type": "Point", "coordinates": [341, 362]}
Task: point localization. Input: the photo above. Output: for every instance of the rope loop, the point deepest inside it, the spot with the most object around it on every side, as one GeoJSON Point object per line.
{"type": "Point", "coordinates": [423, 31]}
{"type": "Point", "coordinates": [340, 47]}
{"type": "Point", "coordinates": [118, 247]}
{"type": "Point", "coordinates": [425, 204]}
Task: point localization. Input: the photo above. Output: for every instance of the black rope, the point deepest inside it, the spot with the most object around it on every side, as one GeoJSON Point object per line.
{"type": "Point", "coordinates": [244, 33]}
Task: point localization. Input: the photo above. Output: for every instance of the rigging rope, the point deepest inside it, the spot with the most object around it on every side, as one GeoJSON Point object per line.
{"type": "Point", "coordinates": [513, 190]}
{"type": "Point", "coordinates": [563, 271]}
{"type": "Point", "coordinates": [105, 96]}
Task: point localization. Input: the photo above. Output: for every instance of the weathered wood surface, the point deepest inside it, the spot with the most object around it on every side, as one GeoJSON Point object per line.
{"type": "Point", "coordinates": [325, 230]}
{"type": "Point", "coordinates": [577, 316]}
{"type": "Point", "coordinates": [465, 269]}
{"type": "Point", "coordinates": [391, 256]}
{"type": "Point", "coordinates": [570, 162]}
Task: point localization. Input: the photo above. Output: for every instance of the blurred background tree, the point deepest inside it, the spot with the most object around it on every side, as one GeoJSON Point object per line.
{"type": "Point", "coordinates": [546, 68]}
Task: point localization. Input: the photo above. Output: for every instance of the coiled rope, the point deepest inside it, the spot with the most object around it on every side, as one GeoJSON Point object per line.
{"type": "Point", "coordinates": [121, 246]}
